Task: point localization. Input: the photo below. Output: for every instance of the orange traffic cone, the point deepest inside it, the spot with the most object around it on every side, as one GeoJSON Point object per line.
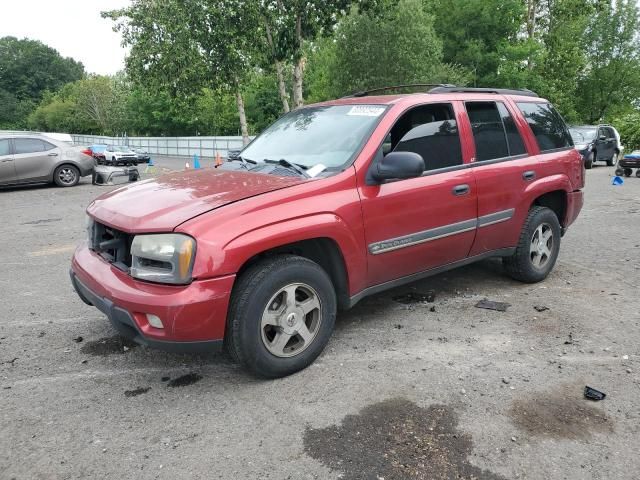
{"type": "Point", "coordinates": [218, 160]}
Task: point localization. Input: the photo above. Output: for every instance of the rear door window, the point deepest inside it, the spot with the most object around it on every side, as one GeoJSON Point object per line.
{"type": "Point", "coordinates": [5, 147]}
{"type": "Point", "coordinates": [31, 145]}
{"type": "Point", "coordinates": [547, 125]}
{"type": "Point", "coordinates": [431, 131]}
{"type": "Point", "coordinates": [494, 131]}
{"type": "Point", "coordinates": [514, 139]}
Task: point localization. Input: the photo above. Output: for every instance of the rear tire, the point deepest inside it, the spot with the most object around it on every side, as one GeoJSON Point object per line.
{"type": "Point", "coordinates": [281, 316]}
{"type": "Point", "coordinates": [538, 247]}
{"type": "Point", "coordinates": [66, 176]}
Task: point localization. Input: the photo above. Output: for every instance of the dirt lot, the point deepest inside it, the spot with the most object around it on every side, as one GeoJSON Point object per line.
{"type": "Point", "coordinates": [436, 390]}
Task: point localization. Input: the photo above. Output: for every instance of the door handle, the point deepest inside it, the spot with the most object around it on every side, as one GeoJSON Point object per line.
{"type": "Point", "coordinates": [52, 154]}
{"type": "Point", "coordinates": [529, 175]}
{"type": "Point", "coordinates": [461, 189]}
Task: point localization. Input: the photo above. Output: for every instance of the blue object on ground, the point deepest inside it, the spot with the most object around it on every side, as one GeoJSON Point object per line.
{"type": "Point", "coordinates": [616, 181]}
{"type": "Point", "coordinates": [150, 162]}
{"type": "Point", "coordinates": [196, 161]}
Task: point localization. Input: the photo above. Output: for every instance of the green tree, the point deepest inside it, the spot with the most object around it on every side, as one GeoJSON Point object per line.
{"type": "Point", "coordinates": [612, 79]}
{"type": "Point", "coordinates": [28, 68]}
{"type": "Point", "coordinates": [476, 33]}
{"type": "Point", "coordinates": [183, 46]}
{"type": "Point", "coordinates": [398, 46]}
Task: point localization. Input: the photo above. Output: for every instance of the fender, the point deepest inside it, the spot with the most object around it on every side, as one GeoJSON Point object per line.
{"type": "Point", "coordinates": [240, 249]}
{"type": "Point", "coordinates": [545, 185]}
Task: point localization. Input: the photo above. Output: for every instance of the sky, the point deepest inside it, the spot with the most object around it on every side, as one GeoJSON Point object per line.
{"type": "Point", "coordinates": [73, 27]}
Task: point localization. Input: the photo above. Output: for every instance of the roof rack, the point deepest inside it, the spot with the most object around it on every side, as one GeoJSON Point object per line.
{"type": "Point", "coordinates": [395, 87]}
{"type": "Point", "coordinates": [499, 91]}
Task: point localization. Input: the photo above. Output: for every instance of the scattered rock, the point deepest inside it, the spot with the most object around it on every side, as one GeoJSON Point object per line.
{"type": "Point", "coordinates": [628, 370]}
{"type": "Point", "coordinates": [505, 381]}
{"type": "Point", "coordinates": [398, 326]}
{"type": "Point", "coordinates": [625, 357]}
{"type": "Point", "coordinates": [540, 308]}
{"type": "Point", "coordinates": [41, 334]}
{"type": "Point", "coordinates": [78, 339]}
{"type": "Point", "coordinates": [165, 379]}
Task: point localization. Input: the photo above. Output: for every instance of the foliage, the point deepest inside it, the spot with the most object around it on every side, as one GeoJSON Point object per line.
{"type": "Point", "coordinates": [28, 69]}
{"type": "Point", "coordinates": [628, 126]}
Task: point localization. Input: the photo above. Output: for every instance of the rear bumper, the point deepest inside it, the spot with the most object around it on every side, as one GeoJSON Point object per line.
{"type": "Point", "coordinates": [194, 316]}
{"type": "Point", "coordinates": [575, 201]}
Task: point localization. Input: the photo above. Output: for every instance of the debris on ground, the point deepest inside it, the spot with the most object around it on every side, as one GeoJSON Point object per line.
{"type": "Point", "coordinates": [137, 391]}
{"type": "Point", "coordinates": [184, 380]}
{"type": "Point", "coordinates": [570, 341]}
{"type": "Point", "coordinates": [415, 297]}
{"type": "Point", "coordinates": [541, 308]}
{"type": "Point", "coordinates": [491, 305]}
{"type": "Point", "coordinates": [78, 339]}
{"type": "Point", "coordinates": [165, 379]}
{"type": "Point", "coordinates": [593, 394]}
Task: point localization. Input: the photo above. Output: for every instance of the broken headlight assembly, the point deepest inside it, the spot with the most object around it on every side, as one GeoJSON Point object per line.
{"type": "Point", "coordinates": [163, 258]}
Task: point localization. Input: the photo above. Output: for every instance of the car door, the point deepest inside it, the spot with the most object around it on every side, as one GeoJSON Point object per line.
{"type": "Point", "coordinates": [7, 166]}
{"type": "Point", "coordinates": [417, 224]}
{"type": "Point", "coordinates": [34, 159]}
{"type": "Point", "coordinates": [502, 170]}
{"type": "Point", "coordinates": [605, 144]}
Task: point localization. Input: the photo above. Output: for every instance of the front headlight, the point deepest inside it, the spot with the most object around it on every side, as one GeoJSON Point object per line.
{"type": "Point", "coordinates": [163, 258]}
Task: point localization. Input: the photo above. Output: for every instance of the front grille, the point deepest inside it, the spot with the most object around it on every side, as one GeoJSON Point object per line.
{"type": "Point", "coordinates": [111, 244]}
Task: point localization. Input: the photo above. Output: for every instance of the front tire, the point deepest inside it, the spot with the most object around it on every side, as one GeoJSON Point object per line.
{"type": "Point", "coordinates": [281, 316]}
{"type": "Point", "coordinates": [588, 162]}
{"type": "Point", "coordinates": [538, 247]}
{"type": "Point", "coordinates": [612, 161]}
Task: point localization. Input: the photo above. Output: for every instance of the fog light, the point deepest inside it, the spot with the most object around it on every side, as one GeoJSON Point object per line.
{"type": "Point", "coordinates": [154, 321]}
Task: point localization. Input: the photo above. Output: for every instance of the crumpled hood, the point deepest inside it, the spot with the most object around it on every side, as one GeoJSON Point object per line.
{"type": "Point", "coordinates": [163, 203]}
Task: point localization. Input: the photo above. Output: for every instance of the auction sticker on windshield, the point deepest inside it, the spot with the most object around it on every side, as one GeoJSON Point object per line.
{"type": "Point", "coordinates": [366, 111]}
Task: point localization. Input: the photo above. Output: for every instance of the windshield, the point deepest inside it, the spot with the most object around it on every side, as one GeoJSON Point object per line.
{"type": "Point", "coordinates": [329, 135]}
{"type": "Point", "coordinates": [582, 135]}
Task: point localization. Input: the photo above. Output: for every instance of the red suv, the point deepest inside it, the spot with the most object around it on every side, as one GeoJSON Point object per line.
{"type": "Point", "coordinates": [333, 202]}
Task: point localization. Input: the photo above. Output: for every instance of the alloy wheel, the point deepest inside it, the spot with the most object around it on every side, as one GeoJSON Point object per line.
{"type": "Point", "coordinates": [291, 320]}
{"type": "Point", "coordinates": [541, 245]}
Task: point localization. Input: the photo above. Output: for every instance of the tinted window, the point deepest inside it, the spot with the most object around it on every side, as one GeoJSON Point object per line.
{"type": "Point", "coordinates": [431, 131]}
{"type": "Point", "coordinates": [514, 139]}
{"type": "Point", "coordinates": [610, 133]}
{"type": "Point", "coordinates": [5, 147]}
{"type": "Point", "coordinates": [488, 131]}
{"type": "Point", "coordinates": [31, 145]}
{"type": "Point", "coordinates": [547, 126]}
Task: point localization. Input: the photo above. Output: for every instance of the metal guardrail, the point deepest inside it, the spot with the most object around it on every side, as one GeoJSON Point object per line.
{"type": "Point", "coordinates": [174, 146]}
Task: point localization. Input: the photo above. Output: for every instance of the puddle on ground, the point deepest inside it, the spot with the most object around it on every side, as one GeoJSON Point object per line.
{"type": "Point", "coordinates": [395, 440]}
{"type": "Point", "coordinates": [137, 391]}
{"type": "Point", "coordinates": [559, 415]}
{"type": "Point", "coordinates": [108, 346]}
{"type": "Point", "coordinates": [184, 380]}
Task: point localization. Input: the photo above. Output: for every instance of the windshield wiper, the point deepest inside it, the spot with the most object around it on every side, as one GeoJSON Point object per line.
{"type": "Point", "coordinates": [296, 167]}
{"type": "Point", "coordinates": [243, 160]}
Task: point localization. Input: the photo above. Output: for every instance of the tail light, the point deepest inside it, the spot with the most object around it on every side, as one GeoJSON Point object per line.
{"type": "Point", "coordinates": [87, 151]}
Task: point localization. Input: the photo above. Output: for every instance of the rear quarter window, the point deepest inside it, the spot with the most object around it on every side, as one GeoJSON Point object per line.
{"type": "Point", "coordinates": [547, 125]}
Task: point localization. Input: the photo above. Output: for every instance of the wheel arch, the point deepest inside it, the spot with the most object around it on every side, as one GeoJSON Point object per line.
{"type": "Point", "coordinates": [556, 201]}
{"type": "Point", "coordinates": [324, 251]}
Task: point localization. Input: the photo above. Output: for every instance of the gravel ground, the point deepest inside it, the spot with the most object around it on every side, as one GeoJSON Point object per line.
{"type": "Point", "coordinates": [404, 390]}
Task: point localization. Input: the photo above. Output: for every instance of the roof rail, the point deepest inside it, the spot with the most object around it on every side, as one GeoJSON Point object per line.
{"type": "Point", "coordinates": [500, 91]}
{"type": "Point", "coordinates": [395, 87]}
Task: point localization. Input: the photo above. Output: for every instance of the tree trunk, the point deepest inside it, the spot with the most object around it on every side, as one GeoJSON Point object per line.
{"type": "Point", "coordinates": [298, 79]}
{"type": "Point", "coordinates": [298, 69]}
{"type": "Point", "coordinates": [532, 12]}
{"type": "Point", "coordinates": [243, 117]}
{"type": "Point", "coordinates": [282, 88]}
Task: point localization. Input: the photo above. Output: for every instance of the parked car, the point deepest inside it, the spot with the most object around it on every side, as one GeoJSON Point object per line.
{"type": "Point", "coordinates": [97, 152]}
{"type": "Point", "coordinates": [597, 143]}
{"type": "Point", "coordinates": [120, 154]}
{"type": "Point", "coordinates": [332, 203]}
{"type": "Point", "coordinates": [36, 158]}
{"type": "Point", "coordinates": [142, 155]}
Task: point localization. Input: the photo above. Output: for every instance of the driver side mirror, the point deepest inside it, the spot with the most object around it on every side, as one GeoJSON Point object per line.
{"type": "Point", "coordinates": [398, 165]}
{"type": "Point", "coordinates": [602, 138]}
